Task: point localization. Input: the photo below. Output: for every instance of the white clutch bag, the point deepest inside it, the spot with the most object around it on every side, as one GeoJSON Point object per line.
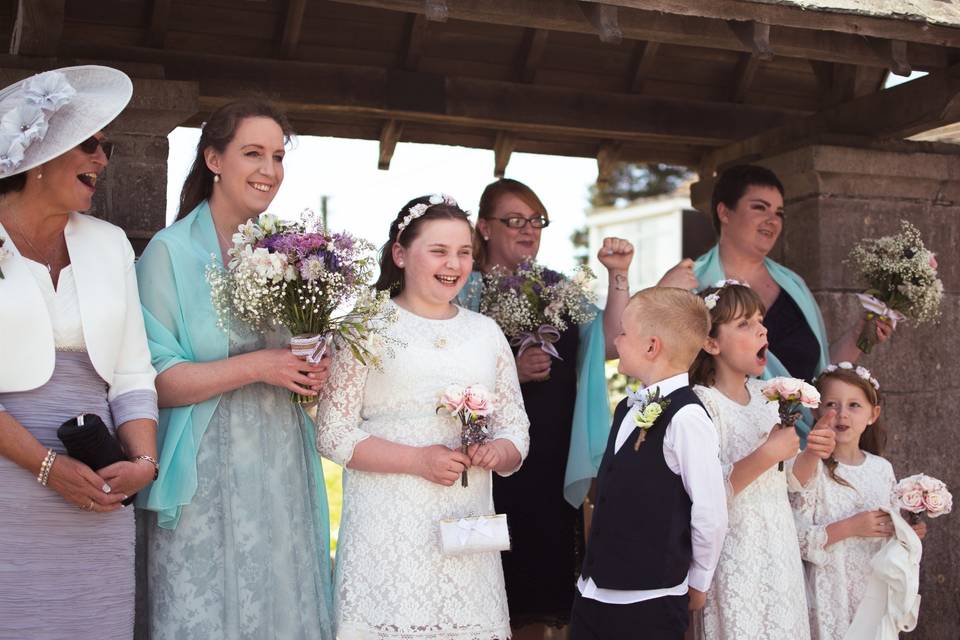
{"type": "Point", "coordinates": [474, 534]}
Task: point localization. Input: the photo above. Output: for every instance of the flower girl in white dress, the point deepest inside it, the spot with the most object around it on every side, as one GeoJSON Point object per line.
{"type": "Point", "coordinates": [839, 522]}
{"type": "Point", "coordinates": [403, 460]}
{"type": "Point", "coordinates": [758, 588]}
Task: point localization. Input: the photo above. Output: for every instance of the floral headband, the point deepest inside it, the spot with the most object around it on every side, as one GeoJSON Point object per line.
{"type": "Point", "coordinates": [712, 299]}
{"type": "Point", "coordinates": [863, 372]}
{"type": "Point", "coordinates": [41, 96]}
{"type": "Point", "coordinates": [420, 208]}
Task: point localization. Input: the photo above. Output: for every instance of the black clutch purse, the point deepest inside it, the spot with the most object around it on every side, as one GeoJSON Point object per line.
{"type": "Point", "coordinates": [88, 439]}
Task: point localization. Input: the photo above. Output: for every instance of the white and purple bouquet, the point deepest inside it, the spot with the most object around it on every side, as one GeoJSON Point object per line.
{"type": "Point", "coordinates": [535, 305]}
{"type": "Point", "coordinates": [922, 494]}
{"type": "Point", "coordinates": [902, 281]}
{"type": "Point", "coordinates": [790, 394]}
{"type": "Point", "coordinates": [296, 275]}
{"type": "Point", "coordinates": [470, 404]}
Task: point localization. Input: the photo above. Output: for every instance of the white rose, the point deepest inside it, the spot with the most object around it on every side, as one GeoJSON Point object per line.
{"type": "Point", "coordinates": [790, 388]}
{"type": "Point", "coordinates": [809, 396]}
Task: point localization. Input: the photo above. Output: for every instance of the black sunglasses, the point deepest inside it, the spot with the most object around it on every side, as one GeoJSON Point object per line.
{"type": "Point", "coordinates": [519, 222]}
{"type": "Point", "coordinates": [91, 144]}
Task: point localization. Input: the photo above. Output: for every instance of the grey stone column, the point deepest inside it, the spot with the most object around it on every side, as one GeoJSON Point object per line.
{"type": "Point", "coordinates": [837, 195]}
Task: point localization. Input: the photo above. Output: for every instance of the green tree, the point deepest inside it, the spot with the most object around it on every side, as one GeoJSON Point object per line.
{"type": "Point", "coordinates": [632, 181]}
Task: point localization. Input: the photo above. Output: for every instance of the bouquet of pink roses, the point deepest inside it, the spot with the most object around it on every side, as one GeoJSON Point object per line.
{"type": "Point", "coordinates": [299, 276]}
{"type": "Point", "coordinates": [471, 404]}
{"type": "Point", "coordinates": [791, 393]}
{"type": "Point", "coordinates": [921, 493]}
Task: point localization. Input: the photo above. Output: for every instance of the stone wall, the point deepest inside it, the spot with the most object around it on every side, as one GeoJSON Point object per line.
{"type": "Point", "coordinates": [837, 195]}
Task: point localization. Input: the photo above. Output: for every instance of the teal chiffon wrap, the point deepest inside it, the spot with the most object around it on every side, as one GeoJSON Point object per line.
{"type": "Point", "coordinates": [591, 413]}
{"type": "Point", "coordinates": [181, 326]}
{"type": "Point", "coordinates": [709, 270]}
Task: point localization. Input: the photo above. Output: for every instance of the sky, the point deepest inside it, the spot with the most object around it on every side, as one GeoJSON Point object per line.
{"type": "Point", "coordinates": [364, 200]}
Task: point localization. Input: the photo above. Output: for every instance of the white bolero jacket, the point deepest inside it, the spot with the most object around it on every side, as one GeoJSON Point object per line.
{"type": "Point", "coordinates": [106, 282]}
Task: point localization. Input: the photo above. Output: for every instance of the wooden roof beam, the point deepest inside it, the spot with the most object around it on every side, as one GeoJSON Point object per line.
{"type": "Point", "coordinates": [531, 54]}
{"type": "Point", "coordinates": [502, 150]}
{"type": "Point", "coordinates": [292, 27]}
{"type": "Point", "coordinates": [658, 21]}
{"type": "Point", "coordinates": [436, 10]}
{"type": "Point", "coordinates": [605, 21]}
{"type": "Point", "coordinates": [754, 35]}
{"type": "Point", "coordinates": [746, 70]}
{"type": "Point", "coordinates": [895, 51]}
{"type": "Point", "coordinates": [37, 28]}
{"type": "Point", "coordinates": [644, 58]}
{"type": "Point", "coordinates": [389, 136]}
{"type": "Point", "coordinates": [898, 112]}
{"type": "Point", "coordinates": [416, 35]}
{"type": "Point", "coordinates": [159, 23]}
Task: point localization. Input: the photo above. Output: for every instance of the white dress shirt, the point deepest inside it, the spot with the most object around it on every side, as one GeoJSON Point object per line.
{"type": "Point", "coordinates": [691, 450]}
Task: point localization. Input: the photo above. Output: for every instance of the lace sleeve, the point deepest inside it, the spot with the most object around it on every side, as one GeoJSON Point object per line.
{"type": "Point", "coordinates": [793, 483]}
{"type": "Point", "coordinates": [339, 406]}
{"type": "Point", "coordinates": [713, 411]}
{"type": "Point", "coordinates": [811, 536]}
{"type": "Point", "coordinates": [509, 418]}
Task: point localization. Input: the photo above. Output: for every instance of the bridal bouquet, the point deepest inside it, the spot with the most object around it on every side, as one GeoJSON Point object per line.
{"type": "Point", "coordinates": [901, 276]}
{"type": "Point", "coordinates": [920, 493]}
{"type": "Point", "coordinates": [4, 254]}
{"type": "Point", "coordinates": [791, 394]}
{"type": "Point", "coordinates": [471, 405]}
{"type": "Point", "coordinates": [534, 305]}
{"type": "Point", "coordinates": [299, 276]}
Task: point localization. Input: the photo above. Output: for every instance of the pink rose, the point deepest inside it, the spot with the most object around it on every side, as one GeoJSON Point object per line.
{"type": "Point", "coordinates": [790, 388]}
{"type": "Point", "coordinates": [771, 390]}
{"type": "Point", "coordinates": [453, 398]}
{"type": "Point", "coordinates": [477, 400]}
{"type": "Point", "coordinates": [938, 503]}
{"type": "Point", "coordinates": [809, 396]}
{"type": "Point", "coordinates": [911, 500]}
{"type": "Point", "coordinates": [932, 261]}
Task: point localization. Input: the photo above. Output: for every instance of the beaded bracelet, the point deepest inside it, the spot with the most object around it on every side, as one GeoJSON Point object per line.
{"type": "Point", "coordinates": [151, 460]}
{"type": "Point", "coordinates": [46, 466]}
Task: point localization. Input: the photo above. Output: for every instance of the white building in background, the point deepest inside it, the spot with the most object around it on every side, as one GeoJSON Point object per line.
{"type": "Point", "coordinates": [655, 227]}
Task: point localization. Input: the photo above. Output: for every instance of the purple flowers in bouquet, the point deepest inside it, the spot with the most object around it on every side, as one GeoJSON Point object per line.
{"type": "Point", "coordinates": [296, 275]}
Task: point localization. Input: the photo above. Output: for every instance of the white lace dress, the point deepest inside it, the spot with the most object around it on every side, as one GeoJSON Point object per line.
{"type": "Point", "coordinates": [392, 581]}
{"type": "Point", "coordinates": [837, 575]}
{"type": "Point", "coordinates": [758, 589]}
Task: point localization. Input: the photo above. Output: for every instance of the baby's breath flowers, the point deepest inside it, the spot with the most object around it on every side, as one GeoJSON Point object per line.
{"type": "Point", "coordinates": [295, 275]}
{"type": "Point", "coordinates": [902, 281]}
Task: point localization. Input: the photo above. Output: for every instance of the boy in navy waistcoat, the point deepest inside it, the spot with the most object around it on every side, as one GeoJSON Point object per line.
{"type": "Point", "coordinates": [661, 512]}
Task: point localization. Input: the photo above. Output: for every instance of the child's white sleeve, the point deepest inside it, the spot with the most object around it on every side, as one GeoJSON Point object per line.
{"type": "Point", "coordinates": [811, 536]}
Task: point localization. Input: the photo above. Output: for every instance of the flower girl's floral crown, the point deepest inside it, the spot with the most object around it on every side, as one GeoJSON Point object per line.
{"type": "Point", "coordinates": [863, 372]}
{"type": "Point", "coordinates": [711, 300]}
{"type": "Point", "coordinates": [421, 208]}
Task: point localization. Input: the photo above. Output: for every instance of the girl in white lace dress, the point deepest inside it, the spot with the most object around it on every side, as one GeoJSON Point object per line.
{"type": "Point", "coordinates": [839, 523]}
{"type": "Point", "coordinates": [402, 458]}
{"type": "Point", "coordinates": [758, 589]}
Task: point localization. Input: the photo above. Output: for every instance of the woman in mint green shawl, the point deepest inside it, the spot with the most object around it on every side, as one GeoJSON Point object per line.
{"type": "Point", "coordinates": [747, 210]}
{"type": "Point", "coordinates": [566, 401]}
{"type": "Point", "coordinates": [240, 546]}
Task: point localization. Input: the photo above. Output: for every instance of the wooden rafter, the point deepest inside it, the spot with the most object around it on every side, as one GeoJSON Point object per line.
{"type": "Point", "coordinates": [895, 51]}
{"type": "Point", "coordinates": [754, 35]}
{"type": "Point", "coordinates": [746, 70]}
{"type": "Point", "coordinates": [292, 26]}
{"type": "Point", "coordinates": [502, 150]}
{"type": "Point", "coordinates": [659, 23]}
{"type": "Point", "coordinates": [159, 23]}
{"type": "Point", "coordinates": [37, 28]}
{"type": "Point", "coordinates": [644, 58]}
{"type": "Point", "coordinates": [389, 136]}
{"type": "Point", "coordinates": [436, 10]}
{"type": "Point", "coordinates": [605, 21]}
{"type": "Point", "coordinates": [416, 34]}
{"type": "Point", "coordinates": [531, 54]}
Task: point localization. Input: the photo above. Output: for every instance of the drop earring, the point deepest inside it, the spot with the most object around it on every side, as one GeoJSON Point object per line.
{"type": "Point", "coordinates": [216, 177]}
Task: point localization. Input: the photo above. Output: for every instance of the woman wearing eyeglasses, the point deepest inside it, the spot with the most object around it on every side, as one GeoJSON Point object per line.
{"type": "Point", "coordinates": [72, 342]}
{"type": "Point", "coordinates": [566, 401]}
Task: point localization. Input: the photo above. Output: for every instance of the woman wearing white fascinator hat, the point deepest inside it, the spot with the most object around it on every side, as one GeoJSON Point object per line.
{"type": "Point", "coordinates": [72, 344]}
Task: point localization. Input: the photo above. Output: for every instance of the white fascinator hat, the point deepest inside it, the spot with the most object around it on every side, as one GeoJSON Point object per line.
{"type": "Point", "coordinates": [46, 115]}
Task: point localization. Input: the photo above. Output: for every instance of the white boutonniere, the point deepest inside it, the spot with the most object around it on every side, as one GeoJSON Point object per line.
{"type": "Point", "coordinates": [648, 411]}
{"type": "Point", "coordinates": [4, 254]}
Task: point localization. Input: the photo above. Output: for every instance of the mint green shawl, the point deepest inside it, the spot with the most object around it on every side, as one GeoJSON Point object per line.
{"type": "Point", "coordinates": [709, 270]}
{"type": "Point", "coordinates": [591, 412]}
{"type": "Point", "coordinates": [181, 326]}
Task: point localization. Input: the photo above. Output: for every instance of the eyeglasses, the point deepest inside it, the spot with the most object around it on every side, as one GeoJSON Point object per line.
{"type": "Point", "coordinates": [91, 144]}
{"type": "Point", "coordinates": [519, 222]}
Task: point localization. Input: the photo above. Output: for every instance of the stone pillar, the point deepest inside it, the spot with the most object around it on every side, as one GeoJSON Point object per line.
{"type": "Point", "coordinates": [837, 195]}
{"type": "Point", "coordinates": [133, 191]}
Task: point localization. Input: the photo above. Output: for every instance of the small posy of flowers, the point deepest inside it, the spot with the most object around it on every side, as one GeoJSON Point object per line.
{"type": "Point", "coordinates": [299, 276]}
{"type": "Point", "coordinates": [790, 394]}
{"type": "Point", "coordinates": [648, 410]}
{"type": "Point", "coordinates": [534, 305]}
{"type": "Point", "coordinates": [921, 493]}
{"type": "Point", "coordinates": [902, 281]}
{"type": "Point", "coordinates": [4, 254]}
{"type": "Point", "coordinates": [470, 404]}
